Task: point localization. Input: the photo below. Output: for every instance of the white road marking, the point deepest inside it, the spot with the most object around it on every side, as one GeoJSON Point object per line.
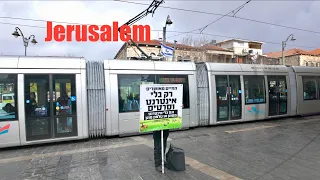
{"type": "Point", "coordinates": [250, 129]}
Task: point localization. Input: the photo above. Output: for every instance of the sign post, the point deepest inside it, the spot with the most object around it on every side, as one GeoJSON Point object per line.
{"type": "Point", "coordinates": [160, 109]}
{"type": "Point", "coordinates": [162, 152]}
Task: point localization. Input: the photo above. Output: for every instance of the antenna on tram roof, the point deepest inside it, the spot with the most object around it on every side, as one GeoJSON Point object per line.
{"type": "Point", "coordinates": [151, 9]}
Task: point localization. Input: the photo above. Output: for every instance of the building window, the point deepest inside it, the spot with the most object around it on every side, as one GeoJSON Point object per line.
{"type": "Point", "coordinates": [177, 79]}
{"type": "Point", "coordinates": [187, 58]}
{"type": "Point", "coordinates": [254, 89]}
{"type": "Point", "coordinates": [195, 59]}
{"type": "Point", "coordinates": [239, 60]}
{"type": "Point", "coordinates": [307, 63]}
{"type": "Point", "coordinates": [179, 58]}
{"type": "Point", "coordinates": [309, 88]}
{"type": "Point", "coordinates": [153, 54]}
{"type": "Point", "coordinates": [318, 64]}
{"type": "Point", "coordinates": [8, 97]}
{"type": "Point", "coordinates": [129, 91]}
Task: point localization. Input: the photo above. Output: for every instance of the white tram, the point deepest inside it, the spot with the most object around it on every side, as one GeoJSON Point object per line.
{"type": "Point", "coordinates": [49, 99]}
{"type": "Point", "coordinates": [246, 92]}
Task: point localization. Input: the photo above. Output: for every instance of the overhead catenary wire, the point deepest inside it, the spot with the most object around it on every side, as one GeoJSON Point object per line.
{"type": "Point", "coordinates": [215, 35]}
{"type": "Point", "coordinates": [204, 27]}
{"type": "Point", "coordinates": [234, 12]}
{"type": "Point", "coordinates": [217, 14]}
{"type": "Point", "coordinates": [179, 9]}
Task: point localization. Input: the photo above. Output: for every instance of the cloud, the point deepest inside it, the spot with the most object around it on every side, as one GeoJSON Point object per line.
{"type": "Point", "coordinates": [83, 12]}
{"type": "Point", "coordinates": [300, 14]}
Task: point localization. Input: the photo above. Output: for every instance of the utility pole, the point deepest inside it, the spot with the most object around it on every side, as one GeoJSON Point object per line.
{"type": "Point", "coordinates": [284, 43]}
{"type": "Point", "coordinates": [174, 49]}
{"type": "Point", "coordinates": [168, 22]}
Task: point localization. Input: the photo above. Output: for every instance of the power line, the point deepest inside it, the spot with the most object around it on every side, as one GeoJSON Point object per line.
{"type": "Point", "coordinates": [215, 35]}
{"type": "Point", "coordinates": [204, 27]}
{"type": "Point", "coordinates": [216, 14]}
{"type": "Point", "coordinates": [14, 24]}
{"type": "Point", "coordinates": [233, 11]}
{"type": "Point", "coordinates": [179, 9]}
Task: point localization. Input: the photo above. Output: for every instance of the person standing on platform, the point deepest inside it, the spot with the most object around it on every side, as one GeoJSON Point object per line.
{"type": "Point", "coordinates": [157, 147]}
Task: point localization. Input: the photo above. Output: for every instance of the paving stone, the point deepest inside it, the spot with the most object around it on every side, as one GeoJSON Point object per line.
{"type": "Point", "coordinates": [290, 149]}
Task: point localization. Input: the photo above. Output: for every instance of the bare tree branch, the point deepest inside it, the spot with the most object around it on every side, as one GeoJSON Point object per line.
{"type": "Point", "coordinates": [197, 42]}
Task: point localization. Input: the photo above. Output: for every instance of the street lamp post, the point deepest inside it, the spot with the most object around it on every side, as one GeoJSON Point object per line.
{"type": "Point", "coordinates": [284, 43]}
{"type": "Point", "coordinates": [168, 22]}
{"type": "Point", "coordinates": [174, 49]}
{"type": "Point", "coordinates": [24, 39]}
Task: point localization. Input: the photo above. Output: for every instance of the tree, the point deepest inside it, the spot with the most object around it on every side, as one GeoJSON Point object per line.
{"type": "Point", "coordinates": [197, 42]}
{"type": "Point", "coordinates": [69, 55]}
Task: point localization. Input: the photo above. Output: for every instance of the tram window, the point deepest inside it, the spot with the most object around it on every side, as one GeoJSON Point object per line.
{"type": "Point", "coordinates": [177, 79]}
{"type": "Point", "coordinates": [309, 88]}
{"type": "Point", "coordinates": [64, 99]}
{"type": "Point", "coordinates": [64, 94]}
{"type": "Point", "coordinates": [37, 96]}
{"type": "Point", "coordinates": [8, 97]}
{"type": "Point", "coordinates": [254, 89]}
{"type": "Point", "coordinates": [129, 90]}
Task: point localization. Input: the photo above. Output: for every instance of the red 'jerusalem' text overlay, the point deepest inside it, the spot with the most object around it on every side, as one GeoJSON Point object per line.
{"type": "Point", "coordinates": [107, 33]}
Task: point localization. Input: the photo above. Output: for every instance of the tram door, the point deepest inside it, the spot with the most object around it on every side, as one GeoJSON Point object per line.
{"type": "Point", "coordinates": [277, 95]}
{"type": "Point", "coordinates": [228, 97]}
{"type": "Point", "coordinates": [50, 106]}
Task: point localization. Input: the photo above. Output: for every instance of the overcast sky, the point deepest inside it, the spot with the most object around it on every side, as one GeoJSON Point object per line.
{"type": "Point", "coordinates": [299, 14]}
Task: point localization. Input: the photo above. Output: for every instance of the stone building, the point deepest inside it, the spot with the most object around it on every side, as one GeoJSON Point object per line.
{"type": "Point", "coordinates": [205, 53]}
{"type": "Point", "coordinates": [183, 52]}
{"type": "Point", "coordinates": [298, 57]}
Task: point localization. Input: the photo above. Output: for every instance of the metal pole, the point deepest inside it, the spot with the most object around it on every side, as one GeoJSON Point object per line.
{"type": "Point", "coordinates": [283, 44]}
{"type": "Point", "coordinates": [162, 151]}
{"type": "Point", "coordinates": [25, 50]}
{"type": "Point", "coordinates": [164, 34]}
{"type": "Point", "coordinates": [164, 37]}
{"type": "Point", "coordinates": [174, 50]}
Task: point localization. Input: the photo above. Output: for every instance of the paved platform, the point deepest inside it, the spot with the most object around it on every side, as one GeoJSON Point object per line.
{"type": "Point", "coordinates": [276, 150]}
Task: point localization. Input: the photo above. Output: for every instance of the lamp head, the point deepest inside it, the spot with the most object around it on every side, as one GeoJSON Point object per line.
{"type": "Point", "coordinates": [168, 21]}
{"type": "Point", "coordinates": [15, 34]}
{"type": "Point", "coordinates": [33, 41]}
{"type": "Point", "coordinates": [292, 38]}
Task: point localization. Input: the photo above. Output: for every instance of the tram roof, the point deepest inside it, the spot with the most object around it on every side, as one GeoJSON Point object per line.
{"type": "Point", "coordinates": [306, 69]}
{"type": "Point", "coordinates": [230, 67]}
{"type": "Point", "coordinates": [148, 65]}
{"type": "Point", "coordinates": [41, 62]}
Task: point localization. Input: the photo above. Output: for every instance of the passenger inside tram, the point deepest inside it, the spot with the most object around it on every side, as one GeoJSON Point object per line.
{"type": "Point", "coordinates": [64, 103]}
{"type": "Point", "coordinates": [31, 104]}
{"type": "Point", "coordinates": [64, 124]}
{"type": "Point", "coordinates": [9, 108]}
{"type": "Point", "coordinates": [132, 103]}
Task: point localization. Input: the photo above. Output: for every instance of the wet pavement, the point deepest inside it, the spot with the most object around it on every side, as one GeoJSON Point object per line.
{"type": "Point", "coordinates": [276, 149]}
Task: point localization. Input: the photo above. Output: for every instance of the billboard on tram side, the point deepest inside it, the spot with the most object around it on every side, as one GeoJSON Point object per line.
{"type": "Point", "coordinates": [160, 107]}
